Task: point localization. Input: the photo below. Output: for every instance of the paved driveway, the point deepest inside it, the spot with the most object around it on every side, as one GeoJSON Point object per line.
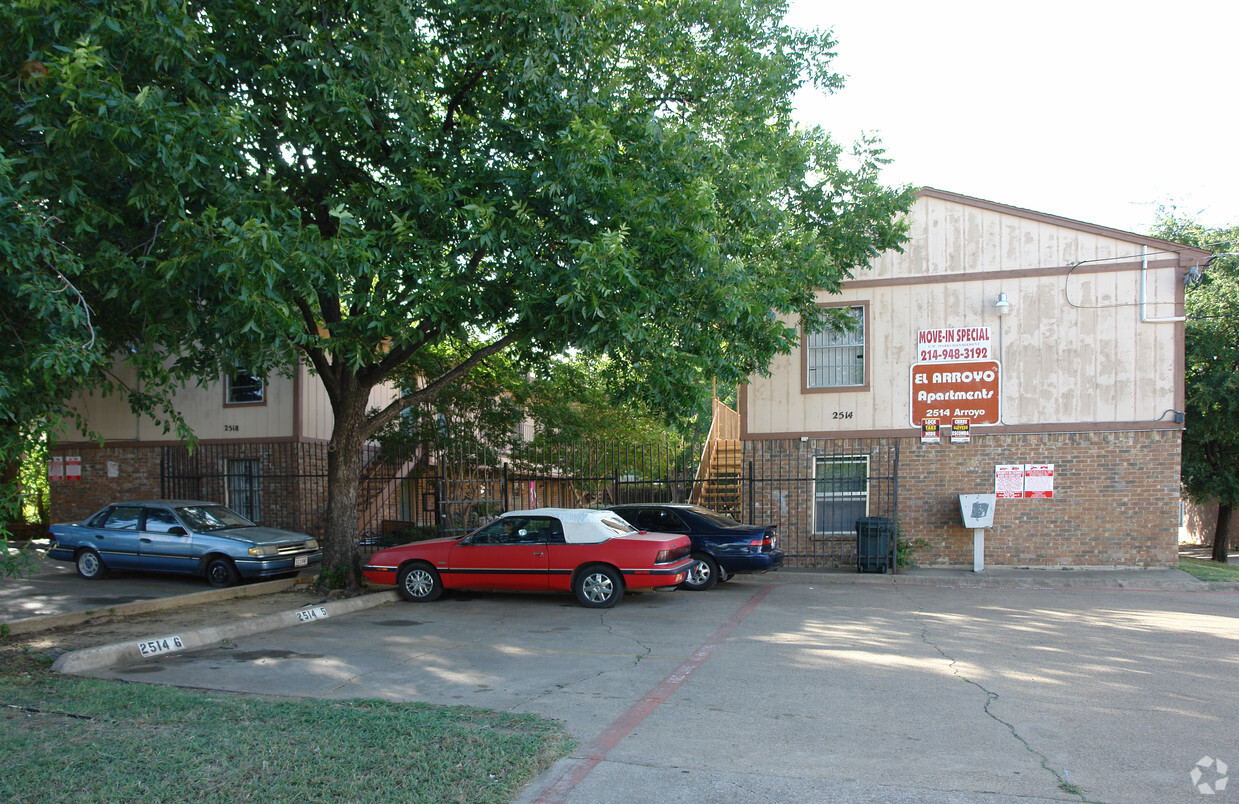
{"type": "Point", "coordinates": [54, 587]}
{"type": "Point", "coordinates": [783, 688]}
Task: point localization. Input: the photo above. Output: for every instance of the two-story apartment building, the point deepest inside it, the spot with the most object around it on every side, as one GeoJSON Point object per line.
{"type": "Point", "coordinates": [262, 451]}
{"type": "Point", "coordinates": [1003, 351]}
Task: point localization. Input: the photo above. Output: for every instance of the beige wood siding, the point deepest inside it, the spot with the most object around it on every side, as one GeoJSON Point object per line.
{"type": "Point", "coordinates": [203, 409]}
{"type": "Point", "coordinates": [317, 420]}
{"type": "Point", "coordinates": [1077, 347]}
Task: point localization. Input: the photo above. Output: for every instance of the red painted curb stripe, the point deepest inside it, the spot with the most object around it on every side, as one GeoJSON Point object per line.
{"type": "Point", "coordinates": [598, 749]}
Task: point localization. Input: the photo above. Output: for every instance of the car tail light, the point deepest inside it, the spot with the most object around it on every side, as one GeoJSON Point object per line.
{"type": "Point", "coordinates": [765, 544]}
{"type": "Point", "coordinates": [674, 554]}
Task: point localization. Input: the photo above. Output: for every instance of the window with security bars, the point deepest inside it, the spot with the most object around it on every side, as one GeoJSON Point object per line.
{"type": "Point", "coordinates": [840, 493]}
{"type": "Point", "coordinates": [836, 359]}
{"type": "Point", "coordinates": [243, 486]}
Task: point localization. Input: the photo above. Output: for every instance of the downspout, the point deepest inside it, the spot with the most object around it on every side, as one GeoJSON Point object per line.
{"type": "Point", "coordinates": [1144, 295]}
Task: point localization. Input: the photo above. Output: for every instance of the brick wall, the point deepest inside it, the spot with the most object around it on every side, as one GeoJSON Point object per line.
{"type": "Point", "coordinates": [1116, 499]}
{"type": "Point", "coordinates": [137, 478]}
{"type": "Point", "coordinates": [292, 480]}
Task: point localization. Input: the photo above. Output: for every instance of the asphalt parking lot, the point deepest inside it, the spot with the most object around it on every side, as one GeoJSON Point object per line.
{"type": "Point", "coordinates": [54, 587]}
{"type": "Point", "coordinates": [799, 687]}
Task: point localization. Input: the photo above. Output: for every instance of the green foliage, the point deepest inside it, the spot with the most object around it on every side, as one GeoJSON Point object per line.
{"type": "Point", "coordinates": [167, 744]}
{"type": "Point", "coordinates": [1211, 436]}
{"type": "Point", "coordinates": [351, 184]}
{"type": "Point", "coordinates": [1210, 464]}
{"type": "Point", "coordinates": [1209, 570]}
{"type": "Point", "coordinates": [906, 548]}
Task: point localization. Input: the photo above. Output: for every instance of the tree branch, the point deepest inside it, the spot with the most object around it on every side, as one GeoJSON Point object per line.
{"type": "Point", "coordinates": [432, 389]}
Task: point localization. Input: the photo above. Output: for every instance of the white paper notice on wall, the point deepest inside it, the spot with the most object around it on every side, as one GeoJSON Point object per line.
{"type": "Point", "coordinates": [1009, 481]}
{"type": "Point", "coordinates": [113, 469]}
{"type": "Point", "coordinates": [1039, 480]}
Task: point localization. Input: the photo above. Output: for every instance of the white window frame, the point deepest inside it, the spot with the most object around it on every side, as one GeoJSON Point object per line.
{"type": "Point", "coordinates": [822, 495]}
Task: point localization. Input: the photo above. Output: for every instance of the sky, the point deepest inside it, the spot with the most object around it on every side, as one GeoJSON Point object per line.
{"type": "Point", "coordinates": [1092, 110]}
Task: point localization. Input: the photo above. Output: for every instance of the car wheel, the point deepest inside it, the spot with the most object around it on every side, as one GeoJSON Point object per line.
{"type": "Point", "coordinates": [599, 587]}
{"type": "Point", "coordinates": [419, 583]}
{"type": "Point", "coordinates": [220, 573]}
{"type": "Point", "coordinates": [90, 565]}
{"type": "Point", "coordinates": [702, 575]}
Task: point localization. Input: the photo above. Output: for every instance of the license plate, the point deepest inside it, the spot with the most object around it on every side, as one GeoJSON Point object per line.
{"type": "Point", "coordinates": [301, 561]}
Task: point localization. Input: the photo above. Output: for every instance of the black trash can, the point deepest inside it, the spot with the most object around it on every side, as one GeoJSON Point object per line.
{"type": "Point", "coordinates": [873, 543]}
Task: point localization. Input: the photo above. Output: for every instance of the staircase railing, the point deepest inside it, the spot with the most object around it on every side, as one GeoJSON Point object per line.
{"type": "Point", "coordinates": [725, 426]}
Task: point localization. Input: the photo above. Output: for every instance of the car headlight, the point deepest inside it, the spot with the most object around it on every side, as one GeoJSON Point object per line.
{"type": "Point", "coordinates": [311, 544]}
{"type": "Point", "coordinates": [263, 550]}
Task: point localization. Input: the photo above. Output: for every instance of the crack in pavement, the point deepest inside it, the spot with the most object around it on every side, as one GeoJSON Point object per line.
{"type": "Point", "coordinates": [567, 685]}
{"type": "Point", "coordinates": [1064, 781]}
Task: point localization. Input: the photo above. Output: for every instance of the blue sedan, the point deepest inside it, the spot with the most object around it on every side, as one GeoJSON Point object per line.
{"type": "Point", "coordinates": [722, 547]}
{"type": "Point", "coordinates": [182, 536]}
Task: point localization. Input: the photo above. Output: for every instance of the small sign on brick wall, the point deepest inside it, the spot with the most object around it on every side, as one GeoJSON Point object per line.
{"type": "Point", "coordinates": [1039, 480]}
{"type": "Point", "coordinates": [1009, 481]}
{"type": "Point", "coordinates": [1024, 480]}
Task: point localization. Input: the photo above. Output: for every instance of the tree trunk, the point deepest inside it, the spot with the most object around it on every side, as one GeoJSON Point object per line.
{"type": "Point", "coordinates": [341, 554]}
{"type": "Point", "coordinates": [1221, 536]}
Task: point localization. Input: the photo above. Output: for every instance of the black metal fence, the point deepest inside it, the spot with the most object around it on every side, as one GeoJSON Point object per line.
{"type": "Point", "coordinates": [814, 490]}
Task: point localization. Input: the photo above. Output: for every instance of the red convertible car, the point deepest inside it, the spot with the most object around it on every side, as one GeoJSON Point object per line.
{"type": "Point", "coordinates": [594, 554]}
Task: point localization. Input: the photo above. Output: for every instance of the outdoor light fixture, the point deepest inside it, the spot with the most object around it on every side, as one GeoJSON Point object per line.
{"type": "Point", "coordinates": [1003, 305]}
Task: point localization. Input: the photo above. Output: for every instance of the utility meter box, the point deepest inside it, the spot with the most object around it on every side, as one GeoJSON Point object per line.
{"type": "Point", "coordinates": [978, 510]}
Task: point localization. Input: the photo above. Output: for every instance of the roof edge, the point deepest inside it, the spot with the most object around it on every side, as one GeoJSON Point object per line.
{"type": "Point", "coordinates": [1192, 252]}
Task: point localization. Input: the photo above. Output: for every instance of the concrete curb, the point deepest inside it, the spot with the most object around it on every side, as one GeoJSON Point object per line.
{"type": "Point", "coordinates": [46, 622]}
{"type": "Point", "coordinates": [1152, 580]}
{"type": "Point", "coordinates": [88, 659]}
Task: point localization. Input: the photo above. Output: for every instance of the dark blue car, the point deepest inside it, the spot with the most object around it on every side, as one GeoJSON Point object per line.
{"type": "Point", "coordinates": [183, 536]}
{"type": "Point", "coordinates": [722, 547]}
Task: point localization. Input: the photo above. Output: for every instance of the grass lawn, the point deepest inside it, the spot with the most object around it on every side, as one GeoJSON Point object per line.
{"type": "Point", "coordinates": [65, 738]}
{"type": "Point", "coordinates": [1209, 570]}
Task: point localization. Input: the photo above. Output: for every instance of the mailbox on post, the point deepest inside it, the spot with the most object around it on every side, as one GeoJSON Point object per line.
{"type": "Point", "coordinates": [978, 513]}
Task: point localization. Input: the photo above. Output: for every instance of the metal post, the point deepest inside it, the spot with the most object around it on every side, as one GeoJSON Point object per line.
{"type": "Point", "coordinates": [752, 504]}
{"type": "Point", "coordinates": [978, 549]}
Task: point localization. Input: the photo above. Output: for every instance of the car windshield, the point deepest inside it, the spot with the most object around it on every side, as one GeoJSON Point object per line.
{"type": "Point", "coordinates": [212, 517]}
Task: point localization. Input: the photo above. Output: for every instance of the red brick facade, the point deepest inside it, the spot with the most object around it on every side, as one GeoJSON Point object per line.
{"type": "Point", "coordinates": [1115, 503]}
{"type": "Point", "coordinates": [136, 470]}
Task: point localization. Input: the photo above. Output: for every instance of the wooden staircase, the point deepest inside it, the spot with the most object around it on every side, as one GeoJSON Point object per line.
{"type": "Point", "coordinates": [717, 484]}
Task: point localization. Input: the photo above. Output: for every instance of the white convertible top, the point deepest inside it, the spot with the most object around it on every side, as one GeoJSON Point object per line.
{"type": "Point", "coordinates": [583, 525]}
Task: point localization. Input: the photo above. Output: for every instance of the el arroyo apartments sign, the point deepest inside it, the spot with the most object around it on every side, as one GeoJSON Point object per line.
{"type": "Point", "coordinates": [955, 377]}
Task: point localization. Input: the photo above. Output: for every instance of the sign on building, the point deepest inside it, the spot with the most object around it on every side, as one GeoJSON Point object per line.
{"type": "Point", "coordinates": [1039, 480]}
{"type": "Point", "coordinates": [964, 390]}
{"type": "Point", "coordinates": [953, 344]}
{"type": "Point", "coordinates": [1009, 481]}
{"type": "Point", "coordinates": [1024, 480]}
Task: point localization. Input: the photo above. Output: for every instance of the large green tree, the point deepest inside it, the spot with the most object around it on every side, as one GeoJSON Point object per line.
{"type": "Point", "coordinates": [1211, 435]}
{"type": "Point", "coordinates": [351, 183]}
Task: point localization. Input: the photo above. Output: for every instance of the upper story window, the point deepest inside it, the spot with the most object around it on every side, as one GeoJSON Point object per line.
{"type": "Point", "coordinates": [243, 388]}
{"type": "Point", "coordinates": [834, 358]}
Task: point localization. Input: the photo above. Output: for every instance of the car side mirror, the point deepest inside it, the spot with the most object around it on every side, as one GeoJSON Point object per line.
{"type": "Point", "coordinates": [177, 530]}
